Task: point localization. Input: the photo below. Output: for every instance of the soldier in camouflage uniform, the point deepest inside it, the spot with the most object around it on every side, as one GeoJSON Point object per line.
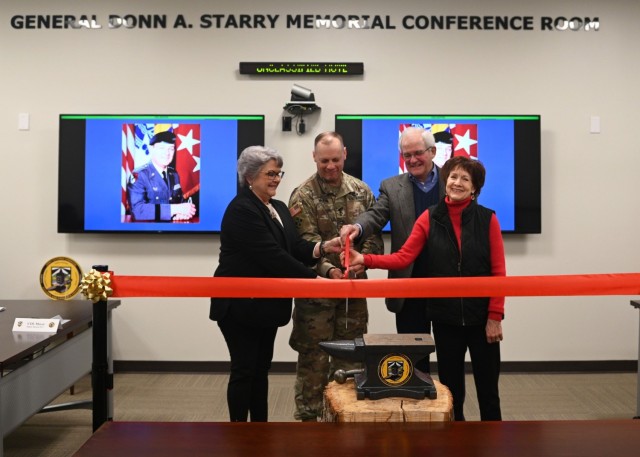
{"type": "Point", "coordinates": [320, 206]}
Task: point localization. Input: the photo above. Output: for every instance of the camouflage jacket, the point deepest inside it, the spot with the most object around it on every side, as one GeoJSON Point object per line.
{"type": "Point", "coordinates": [320, 210]}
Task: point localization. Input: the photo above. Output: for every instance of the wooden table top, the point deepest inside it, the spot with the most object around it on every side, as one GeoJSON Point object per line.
{"type": "Point", "coordinates": [619, 438]}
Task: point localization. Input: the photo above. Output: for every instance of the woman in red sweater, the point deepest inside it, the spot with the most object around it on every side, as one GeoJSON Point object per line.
{"type": "Point", "coordinates": [459, 238]}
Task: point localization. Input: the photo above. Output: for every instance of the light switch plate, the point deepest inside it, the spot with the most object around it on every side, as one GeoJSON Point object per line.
{"type": "Point", "coordinates": [23, 121]}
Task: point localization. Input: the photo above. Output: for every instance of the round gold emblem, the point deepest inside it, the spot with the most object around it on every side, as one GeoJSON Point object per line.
{"type": "Point", "coordinates": [395, 369]}
{"type": "Point", "coordinates": [60, 278]}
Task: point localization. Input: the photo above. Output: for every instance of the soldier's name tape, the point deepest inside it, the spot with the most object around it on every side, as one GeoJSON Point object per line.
{"type": "Point", "coordinates": [494, 286]}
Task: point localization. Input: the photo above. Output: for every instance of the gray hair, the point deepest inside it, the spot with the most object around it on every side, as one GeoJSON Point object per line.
{"type": "Point", "coordinates": [427, 137]}
{"type": "Point", "coordinates": [252, 159]}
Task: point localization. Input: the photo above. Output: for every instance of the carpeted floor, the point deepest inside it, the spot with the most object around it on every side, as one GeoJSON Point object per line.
{"type": "Point", "coordinates": [202, 397]}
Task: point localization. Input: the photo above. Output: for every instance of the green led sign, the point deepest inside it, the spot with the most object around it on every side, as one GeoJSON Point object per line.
{"type": "Point", "coordinates": [302, 68]}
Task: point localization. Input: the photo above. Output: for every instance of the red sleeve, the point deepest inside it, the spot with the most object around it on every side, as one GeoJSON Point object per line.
{"type": "Point", "coordinates": [416, 241]}
{"type": "Point", "coordinates": [498, 267]}
{"type": "Point", "coordinates": [409, 250]}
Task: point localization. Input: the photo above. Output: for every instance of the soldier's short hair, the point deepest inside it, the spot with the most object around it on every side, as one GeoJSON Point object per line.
{"type": "Point", "coordinates": [326, 137]}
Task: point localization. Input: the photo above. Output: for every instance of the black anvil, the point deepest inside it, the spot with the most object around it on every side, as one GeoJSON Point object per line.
{"type": "Point", "coordinates": [389, 365]}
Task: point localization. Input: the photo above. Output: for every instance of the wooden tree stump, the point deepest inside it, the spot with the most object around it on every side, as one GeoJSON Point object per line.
{"type": "Point", "coordinates": [341, 405]}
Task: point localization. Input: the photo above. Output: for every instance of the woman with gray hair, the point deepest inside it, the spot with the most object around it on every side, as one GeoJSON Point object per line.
{"type": "Point", "coordinates": [258, 239]}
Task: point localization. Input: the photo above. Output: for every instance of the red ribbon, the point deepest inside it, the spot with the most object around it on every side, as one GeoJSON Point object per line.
{"type": "Point", "coordinates": [493, 286]}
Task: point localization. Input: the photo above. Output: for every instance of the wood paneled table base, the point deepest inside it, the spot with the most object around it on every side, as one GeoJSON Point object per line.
{"type": "Point", "coordinates": [619, 438]}
{"type": "Point", "coordinates": [341, 405]}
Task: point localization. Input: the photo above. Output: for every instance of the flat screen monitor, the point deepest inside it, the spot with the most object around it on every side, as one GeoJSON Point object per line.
{"type": "Point", "coordinates": [507, 145]}
{"type": "Point", "coordinates": [150, 173]}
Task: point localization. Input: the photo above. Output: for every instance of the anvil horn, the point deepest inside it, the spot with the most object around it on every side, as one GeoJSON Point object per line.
{"type": "Point", "coordinates": [351, 350]}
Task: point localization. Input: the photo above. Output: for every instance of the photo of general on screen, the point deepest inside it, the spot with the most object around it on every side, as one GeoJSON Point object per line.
{"type": "Point", "coordinates": [160, 172]}
{"type": "Point", "coordinates": [150, 173]}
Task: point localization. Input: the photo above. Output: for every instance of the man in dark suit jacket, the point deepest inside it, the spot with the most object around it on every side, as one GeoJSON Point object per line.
{"type": "Point", "coordinates": [401, 200]}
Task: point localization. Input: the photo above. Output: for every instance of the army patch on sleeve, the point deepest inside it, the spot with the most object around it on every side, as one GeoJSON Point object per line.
{"type": "Point", "coordinates": [295, 210]}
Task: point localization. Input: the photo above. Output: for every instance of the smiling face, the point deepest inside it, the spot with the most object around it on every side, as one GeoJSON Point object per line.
{"type": "Point", "coordinates": [418, 158]}
{"type": "Point", "coordinates": [459, 185]}
{"type": "Point", "coordinates": [329, 156]}
{"type": "Point", "coordinates": [266, 182]}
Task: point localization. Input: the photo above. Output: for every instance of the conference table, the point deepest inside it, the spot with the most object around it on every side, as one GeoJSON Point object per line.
{"type": "Point", "coordinates": [619, 438]}
{"type": "Point", "coordinates": [35, 368]}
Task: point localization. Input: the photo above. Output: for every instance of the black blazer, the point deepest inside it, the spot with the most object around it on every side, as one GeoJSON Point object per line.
{"type": "Point", "coordinates": [254, 244]}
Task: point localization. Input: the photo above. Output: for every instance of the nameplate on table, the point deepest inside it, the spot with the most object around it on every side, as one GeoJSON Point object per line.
{"type": "Point", "coordinates": [23, 324]}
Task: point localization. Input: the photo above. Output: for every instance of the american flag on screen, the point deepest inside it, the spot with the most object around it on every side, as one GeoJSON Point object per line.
{"type": "Point", "coordinates": [135, 153]}
{"type": "Point", "coordinates": [401, 128]}
{"type": "Point", "coordinates": [127, 168]}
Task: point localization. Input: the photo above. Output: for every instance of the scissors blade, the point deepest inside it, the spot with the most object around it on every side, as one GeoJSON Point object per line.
{"type": "Point", "coordinates": [347, 275]}
{"type": "Point", "coordinates": [346, 315]}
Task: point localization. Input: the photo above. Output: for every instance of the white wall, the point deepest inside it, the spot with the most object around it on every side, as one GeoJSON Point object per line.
{"type": "Point", "coordinates": [590, 181]}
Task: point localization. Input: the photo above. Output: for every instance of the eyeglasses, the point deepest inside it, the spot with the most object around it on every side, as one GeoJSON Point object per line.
{"type": "Point", "coordinates": [272, 175]}
{"type": "Point", "coordinates": [420, 153]}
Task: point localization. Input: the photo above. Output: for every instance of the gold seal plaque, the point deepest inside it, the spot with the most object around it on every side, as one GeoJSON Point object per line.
{"type": "Point", "coordinates": [60, 278]}
{"type": "Point", "coordinates": [395, 369]}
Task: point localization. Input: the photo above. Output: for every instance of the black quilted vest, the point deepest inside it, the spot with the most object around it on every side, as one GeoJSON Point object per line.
{"type": "Point", "coordinates": [444, 259]}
